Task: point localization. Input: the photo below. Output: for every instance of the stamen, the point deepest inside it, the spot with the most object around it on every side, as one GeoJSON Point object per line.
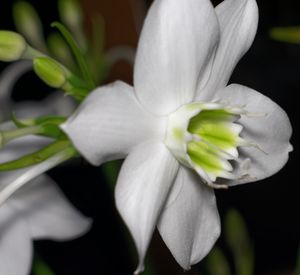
{"type": "Point", "coordinates": [229, 156]}
{"type": "Point", "coordinates": [247, 177]}
{"type": "Point", "coordinates": [245, 164]}
{"type": "Point", "coordinates": [255, 114]}
{"type": "Point", "coordinates": [245, 143]}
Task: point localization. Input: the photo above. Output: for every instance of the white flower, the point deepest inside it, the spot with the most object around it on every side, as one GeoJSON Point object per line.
{"type": "Point", "coordinates": [39, 210]}
{"type": "Point", "coordinates": [180, 128]}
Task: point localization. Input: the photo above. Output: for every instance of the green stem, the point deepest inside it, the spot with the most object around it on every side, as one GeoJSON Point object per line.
{"type": "Point", "coordinates": [7, 136]}
{"type": "Point", "coordinates": [38, 156]}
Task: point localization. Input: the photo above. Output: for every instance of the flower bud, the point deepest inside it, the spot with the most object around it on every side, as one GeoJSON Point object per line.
{"type": "Point", "coordinates": [50, 71]}
{"type": "Point", "coordinates": [70, 12]}
{"type": "Point", "coordinates": [12, 46]}
{"type": "Point", "coordinates": [29, 24]}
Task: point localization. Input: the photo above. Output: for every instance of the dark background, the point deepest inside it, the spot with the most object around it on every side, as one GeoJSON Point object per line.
{"type": "Point", "coordinates": [270, 207]}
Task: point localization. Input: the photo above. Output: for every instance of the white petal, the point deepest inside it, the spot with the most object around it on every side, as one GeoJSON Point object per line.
{"type": "Point", "coordinates": [177, 41]}
{"type": "Point", "coordinates": [15, 243]}
{"type": "Point", "coordinates": [189, 224]}
{"type": "Point", "coordinates": [55, 104]}
{"type": "Point", "coordinates": [142, 188]}
{"type": "Point", "coordinates": [238, 22]}
{"type": "Point", "coordinates": [47, 211]}
{"type": "Point", "coordinates": [110, 122]}
{"type": "Point", "coordinates": [8, 79]}
{"type": "Point", "coordinates": [271, 133]}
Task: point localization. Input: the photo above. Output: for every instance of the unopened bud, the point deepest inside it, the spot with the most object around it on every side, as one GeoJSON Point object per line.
{"type": "Point", "coordinates": [12, 46]}
{"type": "Point", "coordinates": [70, 12]}
{"type": "Point", "coordinates": [50, 71]}
{"type": "Point", "coordinates": [28, 24]}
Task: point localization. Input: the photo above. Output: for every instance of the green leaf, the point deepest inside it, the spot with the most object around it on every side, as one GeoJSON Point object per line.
{"type": "Point", "coordinates": [41, 268]}
{"type": "Point", "coordinates": [77, 53]}
{"type": "Point", "coordinates": [239, 242]}
{"type": "Point", "coordinates": [36, 157]}
{"type": "Point", "coordinates": [216, 263]}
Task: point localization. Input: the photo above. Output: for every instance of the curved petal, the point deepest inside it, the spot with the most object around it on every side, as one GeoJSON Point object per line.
{"type": "Point", "coordinates": [271, 133]}
{"type": "Point", "coordinates": [110, 122]}
{"type": "Point", "coordinates": [8, 79]}
{"type": "Point", "coordinates": [142, 188]}
{"type": "Point", "coordinates": [190, 224]}
{"type": "Point", "coordinates": [238, 22]}
{"type": "Point", "coordinates": [55, 104]}
{"type": "Point", "coordinates": [47, 211]}
{"type": "Point", "coordinates": [15, 243]}
{"type": "Point", "coordinates": [177, 41]}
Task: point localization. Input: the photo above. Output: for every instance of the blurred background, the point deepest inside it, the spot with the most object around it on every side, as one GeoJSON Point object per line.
{"type": "Point", "coordinates": [270, 208]}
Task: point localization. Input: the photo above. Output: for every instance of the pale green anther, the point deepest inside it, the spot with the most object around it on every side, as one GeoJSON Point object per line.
{"type": "Point", "coordinates": [204, 137]}
{"type": "Point", "coordinates": [12, 46]}
{"type": "Point", "coordinates": [50, 71]}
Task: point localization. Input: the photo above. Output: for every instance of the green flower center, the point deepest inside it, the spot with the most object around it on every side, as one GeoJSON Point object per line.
{"type": "Point", "coordinates": [205, 137]}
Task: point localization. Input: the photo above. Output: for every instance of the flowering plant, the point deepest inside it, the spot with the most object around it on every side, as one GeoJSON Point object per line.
{"type": "Point", "coordinates": [182, 130]}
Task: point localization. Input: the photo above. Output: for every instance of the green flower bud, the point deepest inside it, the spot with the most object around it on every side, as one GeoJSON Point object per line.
{"type": "Point", "coordinates": [50, 71]}
{"type": "Point", "coordinates": [70, 12]}
{"type": "Point", "coordinates": [29, 24]}
{"type": "Point", "coordinates": [12, 46]}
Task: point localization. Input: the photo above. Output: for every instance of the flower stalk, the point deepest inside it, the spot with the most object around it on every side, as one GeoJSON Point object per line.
{"type": "Point", "coordinates": [37, 170]}
{"type": "Point", "coordinates": [7, 136]}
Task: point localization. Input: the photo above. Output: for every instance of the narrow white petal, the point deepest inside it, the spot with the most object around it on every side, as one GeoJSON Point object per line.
{"type": "Point", "coordinates": [47, 211]}
{"type": "Point", "coordinates": [110, 122]}
{"type": "Point", "coordinates": [55, 104]}
{"type": "Point", "coordinates": [238, 22]}
{"type": "Point", "coordinates": [271, 133]}
{"type": "Point", "coordinates": [189, 224]}
{"type": "Point", "coordinates": [176, 44]}
{"type": "Point", "coordinates": [30, 174]}
{"type": "Point", "coordinates": [142, 188]}
{"type": "Point", "coordinates": [8, 79]}
{"type": "Point", "coordinates": [15, 243]}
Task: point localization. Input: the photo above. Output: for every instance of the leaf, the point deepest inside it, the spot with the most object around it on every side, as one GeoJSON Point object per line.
{"type": "Point", "coordinates": [287, 34]}
{"type": "Point", "coordinates": [238, 241]}
{"type": "Point", "coordinates": [77, 53]}
{"type": "Point", "coordinates": [41, 268]}
{"type": "Point", "coordinates": [216, 263]}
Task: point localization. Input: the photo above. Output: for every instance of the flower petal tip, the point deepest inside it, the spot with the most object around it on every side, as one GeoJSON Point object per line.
{"type": "Point", "coordinates": [139, 269]}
